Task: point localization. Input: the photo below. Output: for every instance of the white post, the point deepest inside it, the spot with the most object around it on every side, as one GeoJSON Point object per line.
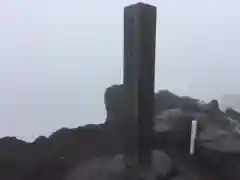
{"type": "Point", "coordinates": [193, 136]}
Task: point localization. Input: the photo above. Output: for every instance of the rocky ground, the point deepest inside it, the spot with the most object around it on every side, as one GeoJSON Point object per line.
{"type": "Point", "coordinates": [71, 154]}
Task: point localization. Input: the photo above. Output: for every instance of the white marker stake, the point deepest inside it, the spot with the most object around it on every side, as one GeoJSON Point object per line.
{"type": "Point", "coordinates": [193, 136]}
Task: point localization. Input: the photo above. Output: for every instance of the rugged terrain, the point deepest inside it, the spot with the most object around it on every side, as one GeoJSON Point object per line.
{"type": "Point", "coordinates": [68, 151]}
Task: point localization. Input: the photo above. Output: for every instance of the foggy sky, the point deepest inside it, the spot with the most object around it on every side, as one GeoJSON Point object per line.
{"type": "Point", "coordinates": [58, 56]}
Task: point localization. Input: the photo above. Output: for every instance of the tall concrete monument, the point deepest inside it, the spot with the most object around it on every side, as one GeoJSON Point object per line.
{"type": "Point", "coordinates": [139, 71]}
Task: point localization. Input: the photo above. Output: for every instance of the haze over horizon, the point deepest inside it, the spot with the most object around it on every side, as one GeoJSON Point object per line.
{"type": "Point", "coordinates": [58, 57]}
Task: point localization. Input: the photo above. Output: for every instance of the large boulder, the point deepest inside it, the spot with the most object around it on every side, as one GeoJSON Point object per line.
{"type": "Point", "coordinates": [114, 168]}
{"type": "Point", "coordinates": [220, 140]}
{"type": "Point", "coordinates": [115, 124]}
{"type": "Point", "coordinates": [232, 113]}
{"type": "Point", "coordinates": [218, 137]}
{"type": "Point", "coordinates": [172, 128]}
{"type": "Point", "coordinates": [114, 103]}
{"type": "Point", "coordinates": [165, 100]}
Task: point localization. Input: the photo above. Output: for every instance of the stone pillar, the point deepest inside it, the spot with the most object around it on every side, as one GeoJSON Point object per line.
{"type": "Point", "coordinates": [139, 70]}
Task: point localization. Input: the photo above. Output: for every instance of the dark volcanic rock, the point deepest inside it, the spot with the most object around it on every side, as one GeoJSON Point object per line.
{"type": "Point", "coordinates": [233, 114]}
{"type": "Point", "coordinates": [115, 123]}
{"type": "Point", "coordinates": [53, 157]}
{"type": "Point", "coordinates": [107, 168]}
{"type": "Point", "coordinates": [227, 164]}
{"type": "Point", "coordinates": [165, 100]}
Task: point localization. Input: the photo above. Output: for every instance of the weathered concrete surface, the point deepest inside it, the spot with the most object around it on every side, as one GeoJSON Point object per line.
{"type": "Point", "coordinates": [139, 70]}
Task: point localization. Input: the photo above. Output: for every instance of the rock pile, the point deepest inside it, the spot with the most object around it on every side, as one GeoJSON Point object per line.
{"type": "Point", "coordinates": [69, 153]}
